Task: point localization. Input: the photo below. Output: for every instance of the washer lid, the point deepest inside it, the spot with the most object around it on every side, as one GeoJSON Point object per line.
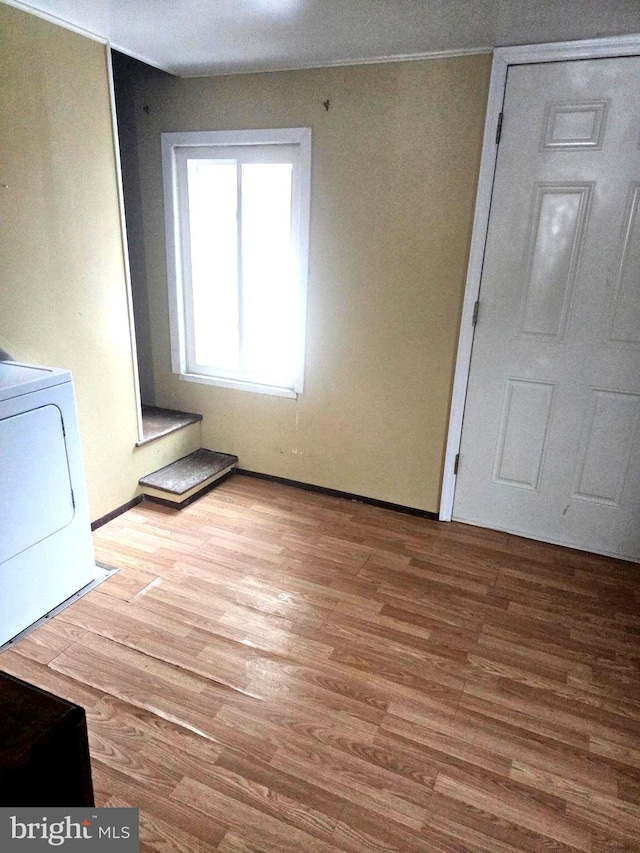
{"type": "Point", "coordinates": [17, 379]}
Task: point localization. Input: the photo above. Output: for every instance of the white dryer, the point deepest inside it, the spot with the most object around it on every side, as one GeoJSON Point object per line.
{"type": "Point", "coordinates": [46, 553]}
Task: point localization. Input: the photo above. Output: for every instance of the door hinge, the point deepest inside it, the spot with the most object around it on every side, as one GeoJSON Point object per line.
{"type": "Point", "coordinates": [456, 465]}
{"type": "Point", "coordinates": [499, 128]}
{"type": "Point", "coordinates": [476, 308]}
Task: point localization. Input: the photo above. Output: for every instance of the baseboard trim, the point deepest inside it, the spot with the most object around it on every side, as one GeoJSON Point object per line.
{"type": "Point", "coordinates": [105, 519]}
{"type": "Point", "coordinates": [335, 493]}
{"type": "Point", "coordinates": [307, 487]}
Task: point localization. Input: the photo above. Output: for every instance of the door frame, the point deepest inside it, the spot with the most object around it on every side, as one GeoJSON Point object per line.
{"type": "Point", "coordinates": [503, 57]}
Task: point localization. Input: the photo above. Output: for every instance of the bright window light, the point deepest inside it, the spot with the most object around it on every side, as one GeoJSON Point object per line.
{"type": "Point", "coordinates": [237, 211]}
{"type": "Point", "coordinates": [268, 273]}
{"type": "Point", "coordinates": [214, 262]}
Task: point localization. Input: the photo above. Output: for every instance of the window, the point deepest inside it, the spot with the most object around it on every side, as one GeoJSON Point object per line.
{"type": "Point", "coordinates": [237, 220]}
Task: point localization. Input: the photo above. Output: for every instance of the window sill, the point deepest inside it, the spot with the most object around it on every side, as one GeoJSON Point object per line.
{"type": "Point", "coordinates": [253, 387]}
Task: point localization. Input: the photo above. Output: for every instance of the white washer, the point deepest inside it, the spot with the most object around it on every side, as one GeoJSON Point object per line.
{"type": "Point", "coordinates": [46, 553]}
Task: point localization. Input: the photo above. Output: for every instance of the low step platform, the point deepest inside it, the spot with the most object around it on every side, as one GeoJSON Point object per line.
{"type": "Point", "coordinates": [188, 478]}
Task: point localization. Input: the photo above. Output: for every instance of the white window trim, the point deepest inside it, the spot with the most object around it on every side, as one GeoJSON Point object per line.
{"type": "Point", "coordinates": [171, 142]}
{"type": "Point", "coordinates": [503, 57]}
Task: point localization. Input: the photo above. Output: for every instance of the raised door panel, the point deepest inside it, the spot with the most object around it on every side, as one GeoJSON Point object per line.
{"type": "Point", "coordinates": [575, 126]}
{"type": "Point", "coordinates": [608, 438]}
{"type": "Point", "coordinates": [624, 328]}
{"type": "Point", "coordinates": [522, 433]}
{"type": "Point", "coordinates": [554, 245]}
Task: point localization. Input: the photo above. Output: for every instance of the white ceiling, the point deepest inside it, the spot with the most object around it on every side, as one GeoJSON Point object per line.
{"type": "Point", "coordinates": [201, 37]}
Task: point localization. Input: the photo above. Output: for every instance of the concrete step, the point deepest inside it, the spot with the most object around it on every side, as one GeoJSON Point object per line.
{"type": "Point", "coordinates": [188, 478]}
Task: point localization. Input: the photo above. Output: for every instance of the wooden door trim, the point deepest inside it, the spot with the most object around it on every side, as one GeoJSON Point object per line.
{"type": "Point", "coordinates": [503, 57]}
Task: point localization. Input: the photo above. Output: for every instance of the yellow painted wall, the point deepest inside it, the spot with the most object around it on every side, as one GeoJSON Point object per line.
{"type": "Point", "coordinates": [395, 164]}
{"type": "Point", "coordinates": [63, 295]}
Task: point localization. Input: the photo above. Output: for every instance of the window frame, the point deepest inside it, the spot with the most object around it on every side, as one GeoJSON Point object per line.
{"type": "Point", "coordinates": [177, 249]}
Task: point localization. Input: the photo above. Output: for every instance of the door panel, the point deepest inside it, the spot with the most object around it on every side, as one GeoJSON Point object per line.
{"type": "Point", "coordinates": [522, 434]}
{"type": "Point", "coordinates": [552, 260]}
{"type": "Point", "coordinates": [605, 453]}
{"type": "Point", "coordinates": [625, 307]}
{"type": "Point", "coordinates": [575, 126]}
{"type": "Point", "coordinates": [551, 440]}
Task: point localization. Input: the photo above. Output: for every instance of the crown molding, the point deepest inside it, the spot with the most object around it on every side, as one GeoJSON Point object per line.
{"type": "Point", "coordinates": [342, 63]}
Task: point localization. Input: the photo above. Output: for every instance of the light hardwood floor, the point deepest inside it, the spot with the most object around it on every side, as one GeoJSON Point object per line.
{"type": "Point", "coordinates": [275, 670]}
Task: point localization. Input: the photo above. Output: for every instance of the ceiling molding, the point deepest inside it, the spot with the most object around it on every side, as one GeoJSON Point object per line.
{"type": "Point", "coordinates": [559, 51]}
{"type": "Point", "coordinates": [344, 63]}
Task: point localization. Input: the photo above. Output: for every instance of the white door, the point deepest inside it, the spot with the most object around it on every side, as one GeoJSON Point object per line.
{"type": "Point", "coordinates": [551, 440]}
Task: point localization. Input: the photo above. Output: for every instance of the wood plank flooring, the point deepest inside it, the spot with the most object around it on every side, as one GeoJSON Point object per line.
{"type": "Point", "coordinates": [275, 670]}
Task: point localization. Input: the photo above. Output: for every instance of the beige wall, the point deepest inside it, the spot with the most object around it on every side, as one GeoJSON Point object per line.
{"type": "Point", "coordinates": [63, 297]}
{"type": "Point", "coordinates": [395, 163]}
